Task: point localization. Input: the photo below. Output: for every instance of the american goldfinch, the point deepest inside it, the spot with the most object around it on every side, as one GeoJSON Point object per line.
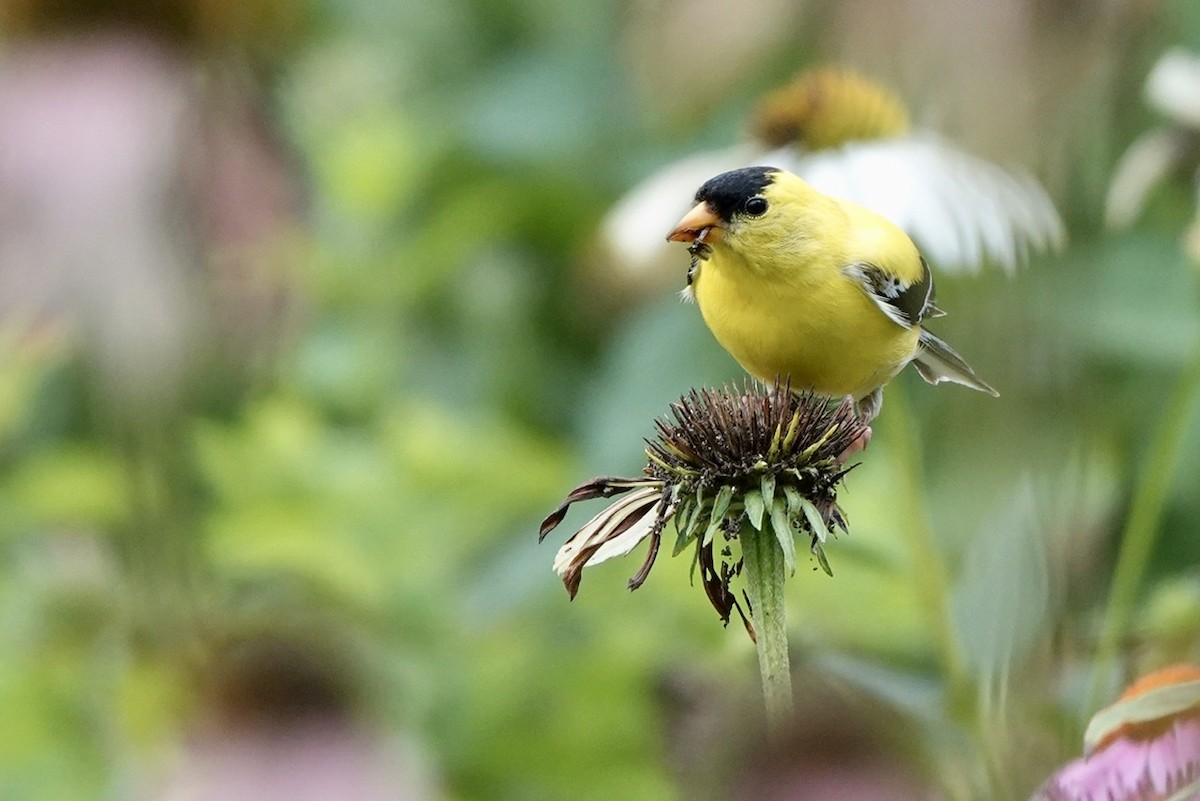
{"type": "Point", "coordinates": [825, 292]}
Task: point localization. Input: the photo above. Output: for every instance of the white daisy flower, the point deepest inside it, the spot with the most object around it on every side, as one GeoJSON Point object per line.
{"type": "Point", "coordinates": [1172, 89]}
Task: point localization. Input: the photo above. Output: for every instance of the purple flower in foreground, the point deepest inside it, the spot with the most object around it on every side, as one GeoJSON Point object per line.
{"type": "Point", "coordinates": [763, 457]}
{"type": "Point", "coordinates": [1145, 747]}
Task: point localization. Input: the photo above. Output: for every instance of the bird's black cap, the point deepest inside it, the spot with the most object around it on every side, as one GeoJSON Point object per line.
{"type": "Point", "coordinates": [729, 191]}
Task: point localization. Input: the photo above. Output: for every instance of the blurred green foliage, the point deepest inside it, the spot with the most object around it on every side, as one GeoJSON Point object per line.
{"type": "Point", "coordinates": [453, 375]}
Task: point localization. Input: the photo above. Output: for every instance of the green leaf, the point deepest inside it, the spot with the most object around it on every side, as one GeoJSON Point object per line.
{"type": "Point", "coordinates": [1002, 596]}
{"type": "Point", "coordinates": [695, 561]}
{"type": "Point", "coordinates": [369, 166]}
{"type": "Point", "coordinates": [720, 505]}
{"type": "Point", "coordinates": [815, 521]}
{"type": "Point", "coordinates": [819, 552]}
{"type": "Point", "coordinates": [785, 534]}
{"type": "Point", "coordinates": [768, 490]}
{"type": "Point", "coordinates": [68, 486]}
{"type": "Point", "coordinates": [300, 540]}
{"type": "Point", "coordinates": [687, 527]}
{"type": "Point", "coordinates": [755, 508]}
{"type": "Point", "coordinates": [1158, 301]}
{"type": "Point", "coordinates": [795, 501]}
{"type": "Point", "coordinates": [918, 695]}
{"type": "Point", "coordinates": [685, 517]}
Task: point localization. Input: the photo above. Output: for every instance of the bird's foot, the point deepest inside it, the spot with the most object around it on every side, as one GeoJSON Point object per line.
{"type": "Point", "coordinates": [858, 446]}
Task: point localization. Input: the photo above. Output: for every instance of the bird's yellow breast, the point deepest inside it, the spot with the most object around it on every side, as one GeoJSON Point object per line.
{"type": "Point", "coordinates": [817, 326]}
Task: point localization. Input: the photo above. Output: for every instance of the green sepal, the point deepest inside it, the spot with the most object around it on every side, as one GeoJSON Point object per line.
{"type": "Point", "coordinates": [688, 527]}
{"type": "Point", "coordinates": [782, 523]}
{"type": "Point", "coordinates": [768, 490]}
{"type": "Point", "coordinates": [755, 508]}
{"type": "Point", "coordinates": [720, 506]}
{"type": "Point", "coordinates": [815, 521]}
{"type": "Point", "coordinates": [795, 501]}
{"type": "Point", "coordinates": [819, 552]}
{"type": "Point", "coordinates": [695, 562]}
{"type": "Point", "coordinates": [685, 519]}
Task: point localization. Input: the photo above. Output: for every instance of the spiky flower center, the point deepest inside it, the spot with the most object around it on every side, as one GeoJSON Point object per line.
{"type": "Point", "coordinates": [759, 457]}
{"type": "Point", "coordinates": [764, 458]}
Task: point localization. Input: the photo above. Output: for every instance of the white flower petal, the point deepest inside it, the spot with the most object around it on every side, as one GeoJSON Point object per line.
{"type": "Point", "coordinates": [1173, 86]}
{"type": "Point", "coordinates": [600, 527]}
{"type": "Point", "coordinates": [636, 229]}
{"type": "Point", "coordinates": [1142, 167]}
{"type": "Point", "coordinates": [625, 542]}
{"type": "Point", "coordinates": [960, 209]}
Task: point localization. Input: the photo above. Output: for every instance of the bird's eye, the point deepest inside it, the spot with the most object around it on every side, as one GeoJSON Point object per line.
{"type": "Point", "coordinates": [756, 206]}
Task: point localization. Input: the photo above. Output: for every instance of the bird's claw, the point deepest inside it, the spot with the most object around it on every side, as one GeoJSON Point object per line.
{"type": "Point", "coordinates": [858, 446]}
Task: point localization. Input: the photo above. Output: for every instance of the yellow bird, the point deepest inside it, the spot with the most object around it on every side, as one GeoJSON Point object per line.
{"type": "Point", "coordinates": [824, 292]}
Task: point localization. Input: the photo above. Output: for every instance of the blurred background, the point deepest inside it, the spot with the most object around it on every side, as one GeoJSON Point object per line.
{"type": "Point", "coordinates": [308, 316]}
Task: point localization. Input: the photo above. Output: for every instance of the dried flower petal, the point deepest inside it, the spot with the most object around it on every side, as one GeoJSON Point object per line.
{"type": "Point", "coordinates": [613, 532]}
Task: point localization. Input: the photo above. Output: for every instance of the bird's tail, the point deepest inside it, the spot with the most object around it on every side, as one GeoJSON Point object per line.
{"type": "Point", "coordinates": [936, 362]}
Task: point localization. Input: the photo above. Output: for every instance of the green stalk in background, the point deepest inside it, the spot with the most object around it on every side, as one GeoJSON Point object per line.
{"type": "Point", "coordinates": [1141, 527]}
{"type": "Point", "coordinates": [931, 578]}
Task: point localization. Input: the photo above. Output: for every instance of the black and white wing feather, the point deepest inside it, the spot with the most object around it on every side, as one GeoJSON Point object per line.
{"type": "Point", "coordinates": [905, 304]}
{"type": "Point", "coordinates": [937, 362]}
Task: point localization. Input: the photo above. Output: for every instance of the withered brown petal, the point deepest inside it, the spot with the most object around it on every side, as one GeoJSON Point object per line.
{"type": "Point", "coordinates": [639, 578]}
{"type": "Point", "coordinates": [601, 487]}
{"type": "Point", "coordinates": [715, 586]}
{"type": "Point", "coordinates": [574, 572]}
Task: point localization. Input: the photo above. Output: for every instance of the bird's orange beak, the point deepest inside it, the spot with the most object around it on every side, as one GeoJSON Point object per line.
{"type": "Point", "coordinates": [701, 220]}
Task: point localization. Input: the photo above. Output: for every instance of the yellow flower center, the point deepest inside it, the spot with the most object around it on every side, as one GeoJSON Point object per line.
{"type": "Point", "coordinates": [826, 108]}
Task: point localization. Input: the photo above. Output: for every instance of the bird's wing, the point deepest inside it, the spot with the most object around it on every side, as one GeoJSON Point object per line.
{"type": "Point", "coordinates": [905, 303]}
{"type": "Point", "coordinates": [937, 362]}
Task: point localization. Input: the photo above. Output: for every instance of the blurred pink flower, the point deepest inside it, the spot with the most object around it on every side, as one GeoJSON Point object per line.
{"type": "Point", "coordinates": [147, 207]}
{"type": "Point", "coordinates": [1146, 747]}
{"type": "Point", "coordinates": [310, 761]}
{"type": "Point", "coordinates": [280, 721]}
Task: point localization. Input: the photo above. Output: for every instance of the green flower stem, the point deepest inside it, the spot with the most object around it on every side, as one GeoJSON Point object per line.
{"type": "Point", "coordinates": [1141, 527]}
{"type": "Point", "coordinates": [928, 567]}
{"type": "Point", "coordinates": [766, 572]}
